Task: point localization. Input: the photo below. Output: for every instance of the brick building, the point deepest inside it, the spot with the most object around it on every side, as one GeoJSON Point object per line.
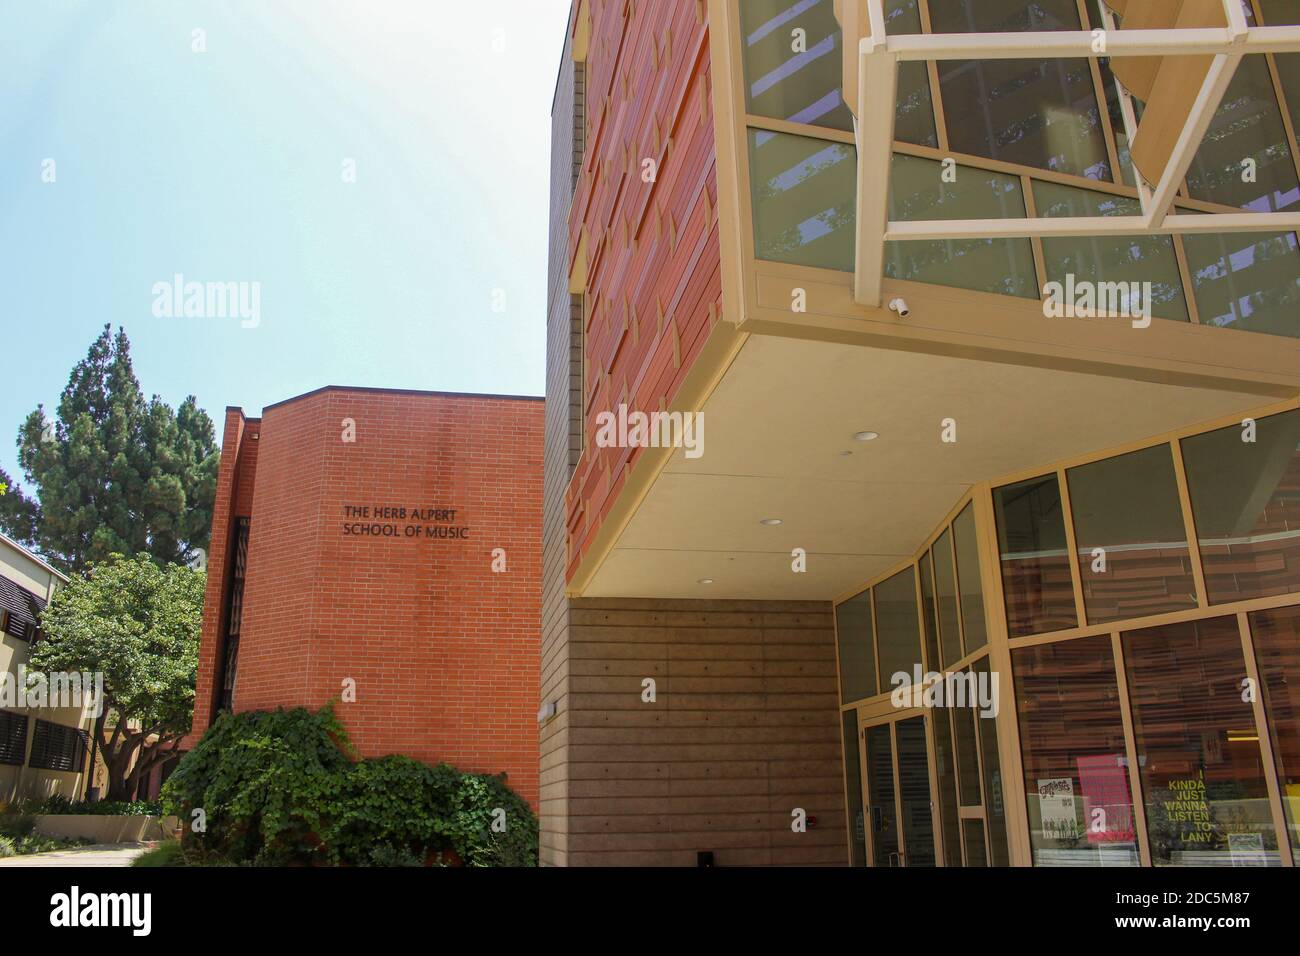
{"type": "Point", "coordinates": [389, 541]}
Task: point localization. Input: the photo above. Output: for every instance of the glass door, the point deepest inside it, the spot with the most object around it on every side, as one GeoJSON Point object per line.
{"type": "Point", "coordinates": [896, 791]}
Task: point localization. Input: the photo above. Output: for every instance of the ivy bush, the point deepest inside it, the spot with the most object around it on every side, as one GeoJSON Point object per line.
{"type": "Point", "coordinates": [283, 788]}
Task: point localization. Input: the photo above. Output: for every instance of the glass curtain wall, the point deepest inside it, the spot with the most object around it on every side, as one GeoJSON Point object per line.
{"type": "Point", "coordinates": [1020, 138]}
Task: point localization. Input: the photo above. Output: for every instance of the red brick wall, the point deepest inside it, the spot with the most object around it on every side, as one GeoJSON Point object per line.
{"type": "Point", "coordinates": [654, 285]}
{"type": "Point", "coordinates": [234, 498]}
{"type": "Point", "coordinates": [443, 650]}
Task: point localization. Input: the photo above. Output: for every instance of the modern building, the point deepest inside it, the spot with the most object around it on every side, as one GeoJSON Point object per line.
{"type": "Point", "coordinates": [381, 549]}
{"type": "Point", "coordinates": [980, 321]}
{"type": "Point", "coordinates": [44, 749]}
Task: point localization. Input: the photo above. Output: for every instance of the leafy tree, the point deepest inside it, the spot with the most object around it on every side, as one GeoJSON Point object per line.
{"type": "Point", "coordinates": [113, 474]}
{"type": "Point", "coordinates": [139, 624]}
{"type": "Point", "coordinates": [17, 512]}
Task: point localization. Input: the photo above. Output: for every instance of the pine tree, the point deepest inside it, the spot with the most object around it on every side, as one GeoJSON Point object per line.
{"type": "Point", "coordinates": [113, 473]}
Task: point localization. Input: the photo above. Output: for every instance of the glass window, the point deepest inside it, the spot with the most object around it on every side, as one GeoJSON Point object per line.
{"type": "Point", "coordinates": [1036, 112]}
{"type": "Point", "coordinates": [943, 757]}
{"type": "Point", "coordinates": [995, 811]}
{"type": "Point", "coordinates": [1113, 110]}
{"type": "Point", "coordinates": [1075, 759]}
{"type": "Point", "coordinates": [799, 77]}
{"type": "Point", "coordinates": [1128, 525]}
{"type": "Point", "coordinates": [928, 632]}
{"type": "Point", "coordinates": [1198, 749]}
{"type": "Point", "coordinates": [803, 194]}
{"type": "Point", "coordinates": [918, 193]}
{"type": "Point", "coordinates": [788, 79]}
{"type": "Point", "coordinates": [880, 795]}
{"type": "Point", "coordinates": [853, 786]}
{"type": "Point", "coordinates": [968, 771]}
{"type": "Point", "coordinates": [1036, 581]}
{"type": "Point", "coordinates": [973, 831]}
{"type": "Point", "coordinates": [1246, 507]}
{"type": "Point", "coordinates": [1248, 281]}
{"type": "Point", "coordinates": [857, 654]}
{"type": "Point", "coordinates": [1248, 124]}
{"type": "Point", "coordinates": [945, 579]}
{"type": "Point", "coordinates": [1277, 650]}
{"type": "Point", "coordinates": [896, 628]}
{"type": "Point", "coordinates": [1129, 261]}
{"type": "Point", "coordinates": [968, 578]}
{"type": "Point", "coordinates": [1283, 13]}
{"type": "Point", "coordinates": [914, 792]}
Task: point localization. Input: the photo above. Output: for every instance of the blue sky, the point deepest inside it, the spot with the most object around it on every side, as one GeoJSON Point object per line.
{"type": "Point", "coordinates": [428, 271]}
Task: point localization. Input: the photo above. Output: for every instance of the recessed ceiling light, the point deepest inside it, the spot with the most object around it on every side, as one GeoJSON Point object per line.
{"type": "Point", "coordinates": [705, 581]}
{"type": "Point", "coordinates": [866, 436]}
{"type": "Point", "coordinates": [771, 522]}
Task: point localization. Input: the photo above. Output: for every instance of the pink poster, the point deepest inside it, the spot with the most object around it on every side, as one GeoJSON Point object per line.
{"type": "Point", "coordinates": [1107, 801]}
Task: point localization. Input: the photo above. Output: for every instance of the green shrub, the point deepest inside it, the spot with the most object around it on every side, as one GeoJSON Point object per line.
{"type": "Point", "coordinates": [165, 854]}
{"type": "Point", "coordinates": [16, 825]}
{"type": "Point", "coordinates": [263, 780]}
{"type": "Point", "coordinates": [387, 856]}
{"type": "Point", "coordinates": [62, 805]}
{"type": "Point", "coordinates": [280, 788]}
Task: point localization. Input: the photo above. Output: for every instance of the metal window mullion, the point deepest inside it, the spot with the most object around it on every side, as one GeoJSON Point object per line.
{"type": "Point", "coordinates": [1266, 751]}
{"type": "Point", "coordinates": [1130, 746]}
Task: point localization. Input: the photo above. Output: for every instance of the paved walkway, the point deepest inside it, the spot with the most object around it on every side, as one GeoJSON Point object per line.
{"type": "Point", "coordinates": [99, 854]}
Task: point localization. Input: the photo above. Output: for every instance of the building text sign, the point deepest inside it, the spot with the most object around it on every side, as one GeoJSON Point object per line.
{"type": "Point", "coordinates": [399, 521]}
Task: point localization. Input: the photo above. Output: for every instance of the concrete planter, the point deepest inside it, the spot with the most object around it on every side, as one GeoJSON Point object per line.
{"type": "Point", "coordinates": [102, 828]}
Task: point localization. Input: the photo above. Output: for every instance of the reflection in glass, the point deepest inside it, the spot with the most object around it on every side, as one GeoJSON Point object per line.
{"type": "Point", "coordinates": [1111, 259]}
{"type": "Point", "coordinates": [857, 655]}
{"type": "Point", "coordinates": [968, 770]}
{"type": "Point", "coordinates": [914, 792]}
{"type": "Point", "coordinates": [1286, 13]}
{"type": "Point", "coordinates": [1246, 507]}
{"type": "Point", "coordinates": [803, 194]}
{"type": "Point", "coordinates": [945, 583]}
{"type": "Point", "coordinates": [929, 633]}
{"type": "Point", "coordinates": [1248, 125]}
{"type": "Point", "coordinates": [1074, 755]}
{"type": "Point", "coordinates": [1128, 525]}
{"type": "Point", "coordinates": [918, 193]}
{"type": "Point", "coordinates": [1036, 582]}
{"type": "Point", "coordinates": [1246, 280]}
{"type": "Point", "coordinates": [943, 758]}
{"type": "Point", "coordinates": [1036, 112]}
{"type": "Point", "coordinates": [973, 831]}
{"type": "Point", "coordinates": [1277, 649]}
{"type": "Point", "coordinates": [780, 82]}
{"type": "Point", "coordinates": [880, 796]}
{"type": "Point", "coordinates": [853, 786]}
{"type": "Point", "coordinates": [995, 811]}
{"type": "Point", "coordinates": [968, 579]}
{"type": "Point", "coordinates": [1198, 749]}
{"type": "Point", "coordinates": [805, 85]}
{"type": "Point", "coordinates": [897, 636]}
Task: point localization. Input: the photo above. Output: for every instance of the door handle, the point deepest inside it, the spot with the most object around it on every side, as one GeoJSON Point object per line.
{"type": "Point", "coordinates": [896, 859]}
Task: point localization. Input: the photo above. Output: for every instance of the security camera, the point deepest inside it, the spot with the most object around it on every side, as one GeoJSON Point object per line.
{"type": "Point", "coordinates": [899, 306]}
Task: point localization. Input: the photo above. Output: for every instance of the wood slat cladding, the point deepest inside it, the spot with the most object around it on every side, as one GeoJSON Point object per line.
{"type": "Point", "coordinates": [652, 248]}
{"type": "Point", "coordinates": [743, 730]}
{"type": "Point", "coordinates": [563, 443]}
